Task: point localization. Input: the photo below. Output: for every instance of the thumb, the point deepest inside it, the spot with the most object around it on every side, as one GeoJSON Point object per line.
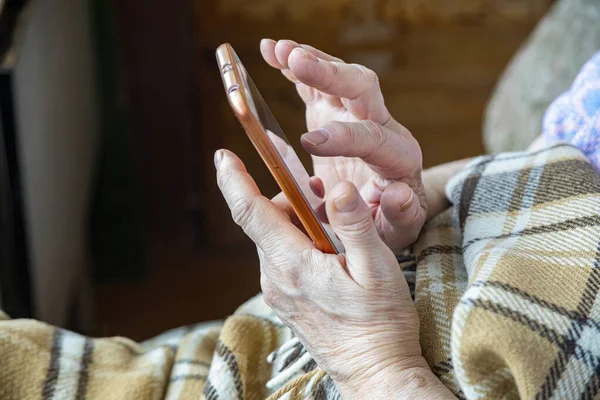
{"type": "Point", "coordinates": [367, 257]}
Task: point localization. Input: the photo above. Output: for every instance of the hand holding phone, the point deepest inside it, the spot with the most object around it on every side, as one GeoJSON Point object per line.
{"type": "Point", "coordinates": [275, 150]}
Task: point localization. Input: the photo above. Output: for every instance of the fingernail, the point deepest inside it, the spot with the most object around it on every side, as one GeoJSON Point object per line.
{"type": "Point", "coordinates": [306, 54]}
{"type": "Point", "coordinates": [291, 42]}
{"type": "Point", "coordinates": [316, 137]}
{"type": "Point", "coordinates": [404, 208]}
{"type": "Point", "coordinates": [348, 201]}
{"type": "Point", "coordinates": [266, 41]}
{"type": "Point", "coordinates": [218, 158]}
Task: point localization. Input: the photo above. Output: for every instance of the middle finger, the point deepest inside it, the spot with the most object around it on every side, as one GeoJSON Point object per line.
{"type": "Point", "coordinates": [356, 85]}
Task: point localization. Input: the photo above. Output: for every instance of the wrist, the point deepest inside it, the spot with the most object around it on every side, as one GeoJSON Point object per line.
{"type": "Point", "coordinates": [435, 180]}
{"type": "Point", "coordinates": [381, 381]}
{"type": "Point", "coordinates": [435, 189]}
{"type": "Point", "coordinates": [411, 379]}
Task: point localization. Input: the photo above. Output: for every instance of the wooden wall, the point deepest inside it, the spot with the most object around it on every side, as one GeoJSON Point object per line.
{"type": "Point", "coordinates": [437, 60]}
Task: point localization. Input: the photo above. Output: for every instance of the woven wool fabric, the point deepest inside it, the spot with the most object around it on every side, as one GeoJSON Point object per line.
{"type": "Point", "coordinates": [508, 283]}
{"type": "Point", "coordinates": [507, 290]}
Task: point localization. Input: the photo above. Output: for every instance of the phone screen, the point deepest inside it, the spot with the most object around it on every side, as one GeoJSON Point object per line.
{"type": "Point", "coordinates": [285, 150]}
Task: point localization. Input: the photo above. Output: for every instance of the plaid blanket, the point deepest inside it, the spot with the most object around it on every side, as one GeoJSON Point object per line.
{"type": "Point", "coordinates": [508, 282]}
{"type": "Point", "coordinates": [506, 286]}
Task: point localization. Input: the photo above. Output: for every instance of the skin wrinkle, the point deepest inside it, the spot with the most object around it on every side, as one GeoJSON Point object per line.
{"type": "Point", "coordinates": [376, 130]}
{"type": "Point", "coordinates": [352, 312]}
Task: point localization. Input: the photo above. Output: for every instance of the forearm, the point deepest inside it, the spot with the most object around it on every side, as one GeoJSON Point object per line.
{"type": "Point", "coordinates": [413, 383]}
{"type": "Point", "coordinates": [435, 180]}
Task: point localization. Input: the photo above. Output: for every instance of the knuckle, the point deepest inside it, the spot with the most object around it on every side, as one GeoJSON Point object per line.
{"type": "Point", "coordinates": [281, 268]}
{"type": "Point", "coordinates": [332, 77]}
{"type": "Point", "coordinates": [312, 263]}
{"type": "Point", "coordinates": [293, 278]}
{"type": "Point", "coordinates": [370, 76]}
{"type": "Point", "coordinates": [345, 132]}
{"type": "Point", "coordinates": [334, 68]}
{"type": "Point", "coordinates": [307, 256]}
{"type": "Point", "coordinates": [271, 244]}
{"type": "Point", "coordinates": [336, 128]}
{"type": "Point", "coordinates": [242, 211]}
{"type": "Point", "coordinates": [358, 229]}
{"type": "Point", "coordinates": [362, 227]}
{"type": "Point", "coordinates": [375, 131]}
{"type": "Point", "coordinates": [288, 273]}
{"type": "Point", "coordinates": [350, 134]}
{"type": "Point", "coordinates": [224, 180]}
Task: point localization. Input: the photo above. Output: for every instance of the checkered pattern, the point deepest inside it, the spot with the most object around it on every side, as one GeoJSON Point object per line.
{"type": "Point", "coordinates": [507, 288]}
{"type": "Point", "coordinates": [508, 281]}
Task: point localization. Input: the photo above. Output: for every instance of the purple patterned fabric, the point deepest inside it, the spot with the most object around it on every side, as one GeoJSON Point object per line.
{"type": "Point", "coordinates": [574, 117]}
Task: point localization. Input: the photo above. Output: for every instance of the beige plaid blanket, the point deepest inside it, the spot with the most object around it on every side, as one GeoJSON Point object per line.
{"type": "Point", "coordinates": [506, 284]}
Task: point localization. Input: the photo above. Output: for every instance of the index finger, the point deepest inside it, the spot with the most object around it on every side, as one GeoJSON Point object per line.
{"type": "Point", "coordinates": [391, 155]}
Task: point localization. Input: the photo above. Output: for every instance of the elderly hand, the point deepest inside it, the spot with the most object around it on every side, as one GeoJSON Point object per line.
{"type": "Point", "coordinates": [353, 312]}
{"type": "Point", "coordinates": [354, 138]}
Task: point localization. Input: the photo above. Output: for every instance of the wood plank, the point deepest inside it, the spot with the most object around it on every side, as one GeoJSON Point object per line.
{"type": "Point", "coordinates": [436, 77]}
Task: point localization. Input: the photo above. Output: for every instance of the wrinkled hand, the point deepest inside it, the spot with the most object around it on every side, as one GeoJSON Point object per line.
{"type": "Point", "coordinates": [354, 138]}
{"type": "Point", "coordinates": [353, 312]}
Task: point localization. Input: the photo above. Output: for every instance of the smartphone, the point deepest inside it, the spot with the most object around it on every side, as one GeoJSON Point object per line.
{"type": "Point", "coordinates": [274, 148]}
